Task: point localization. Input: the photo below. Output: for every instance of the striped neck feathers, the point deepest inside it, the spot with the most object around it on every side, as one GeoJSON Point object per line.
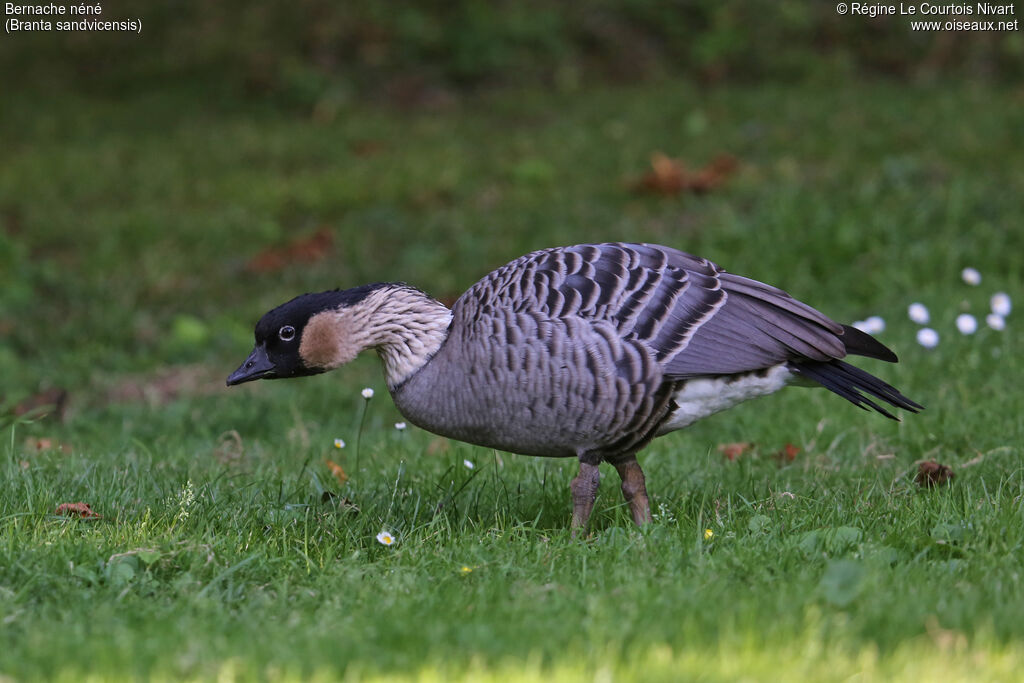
{"type": "Point", "coordinates": [405, 326]}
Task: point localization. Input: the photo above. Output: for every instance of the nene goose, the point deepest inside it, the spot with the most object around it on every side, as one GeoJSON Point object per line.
{"type": "Point", "coordinates": [587, 351]}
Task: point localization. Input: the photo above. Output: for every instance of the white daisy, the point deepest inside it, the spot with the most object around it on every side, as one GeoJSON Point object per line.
{"type": "Point", "coordinates": [339, 443]}
{"type": "Point", "coordinates": [918, 313]}
{"type": "Point", "coordinates": [1000, 303]}
{"type": "Point", "coordinates": [469, 464]}
{"type": "Point", "coordinates": [385, 537]}
{"type": "Point", "coordinates": [966, 323]}
{"type": "Point", "coordinates": [995, 321]}
{"type": "Point", "coordinates": [399, 426]}
{"type": "Point", "coordinates": [875, 324]}
{"type": "Point", "coordinates": [927, 337]}
{"type": "Point", "coordinates": [971, 276]}
{"type": "Point", "coordinates": [367, 393]}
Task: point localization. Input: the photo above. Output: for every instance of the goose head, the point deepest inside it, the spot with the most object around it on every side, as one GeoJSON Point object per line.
{"type": "Point", "coordinates": [315, 333]}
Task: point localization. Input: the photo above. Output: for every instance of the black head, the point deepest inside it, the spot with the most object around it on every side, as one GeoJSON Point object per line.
{"type": "Point", "coordinates": [279, 335]}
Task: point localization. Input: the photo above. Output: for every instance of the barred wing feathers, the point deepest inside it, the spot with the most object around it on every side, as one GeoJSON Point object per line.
{"type": "Point", "coordinates": [695, 318]}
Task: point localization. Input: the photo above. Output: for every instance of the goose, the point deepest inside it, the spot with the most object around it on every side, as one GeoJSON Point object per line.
{"type": "Point", "coordinates": [587, 351]}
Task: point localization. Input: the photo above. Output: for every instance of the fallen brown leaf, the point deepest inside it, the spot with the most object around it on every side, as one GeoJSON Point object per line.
{"type": "Point", "coordinates": [931, 474]}
{"type": "Point", "coordinates": [336, 471]}
{"type": "Point", "coordinates": [787, 454]}
{"type": "Point", "coordinates": [308, 249]}
{"type": "Point", "coordinates": [670, 176]}
{"type": "Point", "coordinates": [43, 444]}
{"type": "Point", "coordinates": [714, 174]}
{"type": "Point", "coordinates": [667, 176]}
{"type": "Point", "coordinates": [77, 510]}
{"type": "Point", "coordinates": [734, 450]}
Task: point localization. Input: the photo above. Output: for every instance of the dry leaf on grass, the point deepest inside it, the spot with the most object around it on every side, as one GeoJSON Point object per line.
{"type": "Point", "coordinates": [308, 249]}
{"type": "Point", "coordinates": [670, 176]}
{"type": "Point", "coordinates": [44, 444]}
{"type": "Point", "coordinates": [731, 451]}
{"type": "Point", "coordinates": [787, 454]}
{"type": "Point", "coordinates": [667, 176]}
{"type": "Point", "coordinates": [336, 471]}
{"type": "Point", "coordinates": [77, 510]}
{"type": "Point", "coordinates": [713, 175]}
{"type": "Point", "coordinates": [931, 474]}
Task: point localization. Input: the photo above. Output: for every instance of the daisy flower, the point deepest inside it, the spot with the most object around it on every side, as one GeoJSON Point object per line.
{"type": "Point", "coordinates": [995, 321]}
{"type": "Point", "coordinates": [875, 324]}
{"type": "Point", "coordinates": [399, 426]}
{"type": "Point", "coordinates": [966, 323]}
{"type": "Point", "coordinates": [469, 464]}
{"type": "Point", "coordinates": [385, 537]}
{"type": "Point", "coordinates": [927, 337]}
{"type": "Point", "coordinates": [918, 313]}
{"type": "Point", "coordinates": [1000, 303]}
{"type": "Point", "coordinates": [339, 443]}
{"type": "Point", "coordinates": [367, 393]}
{"type": "Point", "coordinates": [872, 325]}
{"type": "Point", "coordinates": [971, 276]}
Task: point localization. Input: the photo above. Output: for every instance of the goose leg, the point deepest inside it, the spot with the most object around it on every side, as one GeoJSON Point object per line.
{"type": "Point", "coordinates": [634, 490]}
{"type": "Point", "coordinates": [584, 493]}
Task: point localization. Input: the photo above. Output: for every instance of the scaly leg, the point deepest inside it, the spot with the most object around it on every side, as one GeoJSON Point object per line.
{"type": "Point", "coordinates": [634, 490]}
{"type": "Point", "coordinates": [584, 493]}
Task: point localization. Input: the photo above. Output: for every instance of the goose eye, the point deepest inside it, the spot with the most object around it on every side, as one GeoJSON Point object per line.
{"type": "Point", "coordinates": [286, 333]}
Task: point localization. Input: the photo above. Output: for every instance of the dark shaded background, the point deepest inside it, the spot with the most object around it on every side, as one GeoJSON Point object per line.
{"type": "Point", "coordinates": [301, 52]}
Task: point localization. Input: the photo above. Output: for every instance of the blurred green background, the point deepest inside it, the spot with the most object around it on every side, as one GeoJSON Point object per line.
{"type": "Point", "coordinates": [147, 178]}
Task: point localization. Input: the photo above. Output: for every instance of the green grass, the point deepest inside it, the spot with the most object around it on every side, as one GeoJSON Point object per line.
{"type": "Point", "coordinates": [126, 227]}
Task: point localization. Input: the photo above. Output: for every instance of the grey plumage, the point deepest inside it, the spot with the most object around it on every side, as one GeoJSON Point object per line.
{"type": "Point", "coordinates": [591, 351]}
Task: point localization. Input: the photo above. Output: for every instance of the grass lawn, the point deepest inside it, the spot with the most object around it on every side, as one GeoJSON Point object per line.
{"type": "Point", "coordinates": [131, 237]}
